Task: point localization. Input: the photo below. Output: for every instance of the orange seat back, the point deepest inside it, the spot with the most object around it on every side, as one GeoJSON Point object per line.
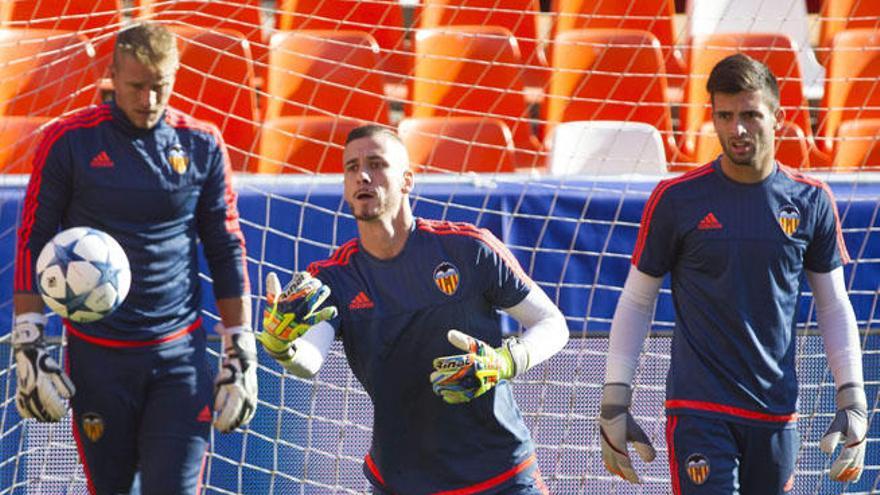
{"type": "Point", "coordinates": [19, 136]}
{"type": "Point", "coordinates": [520, 17]}
{"type": "Point", "coordinates": [45, 72]}
{"type": "Point", "coordinates": [654, 16]}
{"type": "Point", "coordinates": [471, 71]}
{"type": "Point", "coordinates": [85, 16]}
{"type": "Point", "coordinates": [215, 83]}
{"type": "Point", "coordinates": [858, 145]}
{"type": "Point", "coordinates": [852, 90]}
{"type": "Point", "coordinates": [326, 73]}
{"type": "Point", "coordinates": [458, 144]}
{"type": "Point", "coordinates": [777, 51]}
{"type": "Point", "coordinates": [840, 15]}
{"type": "Point", "coordinates": [382, 19]}
{"type": "Point", "coordinates": [609, 74]}
{"type": "Point", "coordinates": [309, 144]}
{"type": "Point", "coordinates": [241, 15]}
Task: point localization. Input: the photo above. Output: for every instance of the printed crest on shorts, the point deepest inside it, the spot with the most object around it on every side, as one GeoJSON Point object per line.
{"type": "Point", "coordinates": [93, 426]}
{"type": "Point", "coordinates": [178, 159]}
{"type": "Point", "coordinates": [697, 467]}
{"type": "Point", "coordinates": [789, 219]}
{"type": "Point", "coordinates": [446, 277]}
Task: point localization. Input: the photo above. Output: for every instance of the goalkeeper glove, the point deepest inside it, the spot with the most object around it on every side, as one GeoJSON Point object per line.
{"type": "Point", "coordinates": [616, 428]}
{"type": "Point", "coordinates": [290, 313]}
{"type": "Point", "coordinates": [464, 377]}
{"type": "Point", "coordinates": [850, 426]}
{"type": "Point", "coordinates": [235, 389]}
{"type": "Point", "coordinates": [42, 386]}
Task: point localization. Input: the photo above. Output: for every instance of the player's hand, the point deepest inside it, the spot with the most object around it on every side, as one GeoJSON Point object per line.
{"type": "Point", "coordinates": [617, 427]}
{"type": "Point", "coordinates": [850, 427]}
{"type": "Point", "coordinates": [42, 386]}
{"type": "Point", "coordinates": [464, 377]}
{"type": "Point", "coordinates": [291, 312]}
{"type": "Point", "coordinates": [235, 389]}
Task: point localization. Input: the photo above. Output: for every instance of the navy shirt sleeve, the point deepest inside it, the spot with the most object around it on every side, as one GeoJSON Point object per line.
{"type": "Point", "coordinates": [826, 250]}
{"type": "Point", "coordinates": [656, 244]}
{"type": "Point", "coordinates": [507, 283]}
{"type": "Point", "coordinates": [48, 193]}
{"type": "Point", "coordinates": [219, 228]}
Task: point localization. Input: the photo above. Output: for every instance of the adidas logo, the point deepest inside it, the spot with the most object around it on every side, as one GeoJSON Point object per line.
{"type": "Point", "coordinates": [101, 160]}
{"type": "Point", "coordinates": [709, 222]}
{"type": "Point", "coordinates": [360, 301]}
{"type": "Point", "coordinates": [204, 416]}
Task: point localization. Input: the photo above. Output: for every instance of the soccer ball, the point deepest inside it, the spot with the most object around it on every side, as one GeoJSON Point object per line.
{"type": "Point", "coordinates": [83, 274]}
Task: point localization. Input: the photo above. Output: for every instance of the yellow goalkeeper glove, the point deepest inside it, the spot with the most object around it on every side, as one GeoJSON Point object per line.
{"type": "Point", "coordinates": [291, 312]}
{"type": "Point", "coordinates": [464, 377]}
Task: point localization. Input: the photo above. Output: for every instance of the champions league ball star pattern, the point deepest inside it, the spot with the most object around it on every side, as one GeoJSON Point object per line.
{"type": "Point", "coordinates": [83, 274]}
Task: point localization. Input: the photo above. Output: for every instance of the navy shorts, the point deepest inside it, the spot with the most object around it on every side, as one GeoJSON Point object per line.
{"type": "Point", "coordinates": [144, 410]}
{"type": "Point", "coordinates": [715, 456]}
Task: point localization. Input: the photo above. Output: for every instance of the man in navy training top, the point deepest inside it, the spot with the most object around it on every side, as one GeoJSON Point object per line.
{"type": "Point", "coordinates": [736, 234]}
{"type": "Point", "coordinates": [417, 303]}
{"type": "Point", "coordinates": [156, 180]}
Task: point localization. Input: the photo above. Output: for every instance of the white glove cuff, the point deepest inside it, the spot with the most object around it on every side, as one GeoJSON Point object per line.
{"type": "Point", "coordinates": [519, 353]}
{"type": "Point", "coordinates": [28, 328]}
{"type": "Point", "coordinates": [851, 396]}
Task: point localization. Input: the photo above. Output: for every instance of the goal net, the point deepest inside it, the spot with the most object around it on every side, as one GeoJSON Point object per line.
{"type": "Point", "coordinates": [548, 124]}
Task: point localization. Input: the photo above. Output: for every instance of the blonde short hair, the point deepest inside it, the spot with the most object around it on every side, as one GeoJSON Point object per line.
{"type": "Point", "coordinates": [150, 43]}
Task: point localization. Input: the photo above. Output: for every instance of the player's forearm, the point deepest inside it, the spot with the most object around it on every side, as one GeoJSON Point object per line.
{"type": "Point", "coordinates": [837, 323]}
{"type": "Point", "coordinates": [546, 332]}
{"type": "Point", "coordinates": [27, 302]}
{"type": "Point", "coordinates": [235, 311]}
{"type": "Point", "coordinates": [630, 325]}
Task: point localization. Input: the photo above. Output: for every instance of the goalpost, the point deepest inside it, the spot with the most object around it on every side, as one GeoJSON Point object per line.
{"type": "Point", "coordinates": [573, 233]}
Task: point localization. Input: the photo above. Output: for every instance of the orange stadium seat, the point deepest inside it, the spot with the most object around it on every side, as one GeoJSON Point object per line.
{"type": "Point", "coordinates": [382, 19]}
{"type": "Point", "coordinates": [473, 71]}
{"type": "Point", "coordinates": [609, 74]}
{"type": "Point", "coordinates": [309, 144]}
{"type": "Point", "coordinates": [792, 146]}
{"type": "Point", "coordinates": [858, 145]}
{"type": "Point", "coordinates": [322, 72]}
{"type": "Point", "coordinates": [458, 144]}
{"type": "Point", "coordinates": [519, 16]}
{"type": "Point", "coordinates": [241, 15]}
{"type": "Point", "coordinates": [840, 15]}
{"type": "Point", "coordinates": [84, 16]}
{"type": "Point", "coordinates": [45, 72]}
{"type": "Point", "coordinates": [775, 50]}
{"type": "Point", "coordinates": [853, 87]}
{"type": "Point", "coordinates": [216, 83]}
{"type": "Point", "coordinates": [19, 136]}
{"type": "Point", "coordinates": [655, 16]}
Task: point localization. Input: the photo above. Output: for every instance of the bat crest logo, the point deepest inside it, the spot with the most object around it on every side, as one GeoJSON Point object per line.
{"type": "Point", "coordinates": [789, 219]}
{"type": "Point", "coordinates": [446, 278]}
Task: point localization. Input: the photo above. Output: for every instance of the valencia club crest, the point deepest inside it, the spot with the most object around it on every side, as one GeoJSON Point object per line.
{"type": "Point", "coordinates": [789, 219]}
{"type": "Point", "coordinates": [446, 278]}
{"type": "Point", "coordinates": [178, 159]}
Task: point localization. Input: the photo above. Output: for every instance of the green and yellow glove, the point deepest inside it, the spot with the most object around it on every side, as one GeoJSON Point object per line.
{"type": "Point", "coordinates": [291, 312]}
{"type": "Point", "coordinates": [464, 377]}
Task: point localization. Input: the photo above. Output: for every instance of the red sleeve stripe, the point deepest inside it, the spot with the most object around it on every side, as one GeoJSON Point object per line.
{"type": "Point", "coordinates": [88, 118]}
{"type": "Point", "coordinates": [730, 411]}
{"type": "Point", "coordinates": [484, 235]}
{"type": "Point", "coordinates": [341, 256]}
{"type": "Point", "coordinates": [806, 179]}
{"type": "Point", "coordinates": [648, 212]}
